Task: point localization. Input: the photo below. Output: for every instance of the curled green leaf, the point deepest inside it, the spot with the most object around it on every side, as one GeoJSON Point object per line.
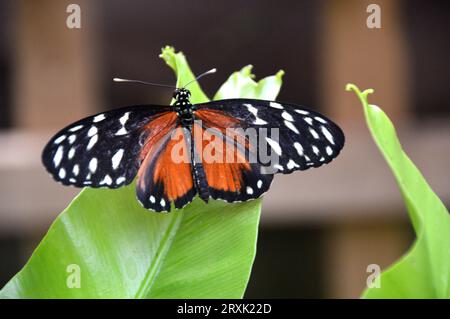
{"type": "Point", "coordinates": [424, 271]}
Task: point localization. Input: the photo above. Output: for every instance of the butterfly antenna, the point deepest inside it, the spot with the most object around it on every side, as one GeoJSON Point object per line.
{"type": "Point", "coordinates": [201, 75]}
{"type": "Point", "coordinates": [143, 82]}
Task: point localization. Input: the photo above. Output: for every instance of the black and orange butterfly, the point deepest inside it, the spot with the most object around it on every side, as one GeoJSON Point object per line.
{"type": "Point", "coordinates": [110, 149]}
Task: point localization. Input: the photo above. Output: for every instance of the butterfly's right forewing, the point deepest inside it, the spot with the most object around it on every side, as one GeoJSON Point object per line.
{"type": "Point", "coordinates": [300, 138]}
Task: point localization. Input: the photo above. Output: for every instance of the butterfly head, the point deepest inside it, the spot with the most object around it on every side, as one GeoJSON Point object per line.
{"type": "Point", "coordinates": [182, 96]}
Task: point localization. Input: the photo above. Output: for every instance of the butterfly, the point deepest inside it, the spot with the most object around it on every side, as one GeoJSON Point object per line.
{"type": "Point", "coordinates": [164, 148]}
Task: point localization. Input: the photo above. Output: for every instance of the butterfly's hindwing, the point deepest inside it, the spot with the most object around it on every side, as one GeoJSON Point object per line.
{"type": "Point", "coordinates": [165, 176]}
{"type": "Point", "coordinates": [101, 150]}
{"type": "Point", "coordinates": [230, 174]}
{"type": "Point", "coordinates": [305, 138]}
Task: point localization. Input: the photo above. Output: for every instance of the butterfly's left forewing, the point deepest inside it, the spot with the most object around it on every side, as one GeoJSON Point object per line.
{"type": "Point", "coordinates": [102, 150]}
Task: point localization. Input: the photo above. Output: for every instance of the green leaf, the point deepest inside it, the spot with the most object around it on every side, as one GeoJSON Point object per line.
{"type": "Point", "coordinates": [121, 250]}
{"type": "Point", "coordinates": [177, 62]}
{"type": "Point", "coordinates": [424, 271]}
{"type": "Point", "coordinates": [241, 85]}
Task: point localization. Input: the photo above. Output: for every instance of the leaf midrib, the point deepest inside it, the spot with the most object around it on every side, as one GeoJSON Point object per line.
{"type": "Point", "coordinates": [158, 260]}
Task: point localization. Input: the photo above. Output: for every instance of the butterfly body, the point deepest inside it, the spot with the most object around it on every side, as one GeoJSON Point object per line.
{"type": "Point", "coordinates": [176, 152]}
{"type": "Point", "coordinates": [183, 107]}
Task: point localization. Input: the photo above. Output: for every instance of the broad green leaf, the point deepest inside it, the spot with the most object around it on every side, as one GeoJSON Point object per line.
{"type": "Point", "coordinates": [113, 248]}
{"type": "Point", "coordinates": [424, 271]}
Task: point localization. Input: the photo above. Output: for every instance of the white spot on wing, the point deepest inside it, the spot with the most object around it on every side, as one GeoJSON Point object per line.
{"type": "Point", "coordinates": [314, 133]}
{"type": "Point", "coordinates": [71, 153]}
{"type": "Point", "coordinates": [329, 150]}
{"type": "Point", "coordinates": [152, 199]}
{"type": "Point", "coordinates": [259, 121]}
{"type": "Point", "coordinates": [72, 138]}
{"type": "Point", "coordinates": [278, 167]}
{"type": "Point", "coordinates": [254, 111]}
{"type": "Point", "coordinates": [122, 131]}
{"type": "Point", "coordinates": [249, 190]}
{"type": "Point", "coordinates": [327, 134]}
{"type": "Point", "coordinates": [291, 126]}
{"type": "Point", "coordinates": [124, 118]}
{"type": "Point", "coordinates": [107, 180]}
{"type": "Point", "coordinates": [93, 165]}
{"type": "Point", "coordinates": [75, 128]}
{"type": "Point", "coordinates": [275, 146]}
{"type": "Point", "coordinates": [287, 116]}
{"type": "Point", "coordinates": [120, 180]}
{"type": "Point", "coordinates": [75, 170]}
{"type": "Point", "coordinates": [291, 164]}
{"type": "Point", "coordinates": [315, 150]}
{"type": "Point", "coordinates": [299, 148]}
{"type": "Point", "coordinates": [117, 158]}
{"type": "Point", "coordinates": [308, 120]}
{"type": "Point", "coordinates": [99, 118]}
{"type": "Point", "coordinates": [162, 202]}
{"type": "Point", "coordinates": [319, 119]}
{"type": "Point", "coordinates": [259, 183]}
{"type": "Point", "coordinates": [60, 139]}
{"type": "Point", "coordinates": [303, 112]}
{"type": "Point", "coordinates": [92, 131]}
{"type": "Point", "coordinates": [122, 121]}
{"type": "Point", "coordinates": [58, 156]}
{"type": "Point", "coordinates": [62, 173]}
{"type": "Point", "coordinates": [276, 105]}
{"type": "Point", "coordinates": [92, 142]}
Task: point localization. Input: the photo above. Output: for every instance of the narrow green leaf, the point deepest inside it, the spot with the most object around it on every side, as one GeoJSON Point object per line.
{"type": "Point", "coordinates": [121, 250]}
{"type": "Point", "coordinates": [424, 271]}
{"type": "Point", "coordinates": [177, 62]}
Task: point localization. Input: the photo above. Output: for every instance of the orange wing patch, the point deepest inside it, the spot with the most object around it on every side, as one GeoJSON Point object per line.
{"type": "Point", "coordinates": [228, 151]}
{"type": "Point", "coordinates": [157, 130]}
{"type": "Point", "coordinates": [217, 119]}
{"type": "Point", "coordinates": [173, 167]}
{"type": "Point", "coordinates": [223, 162]}
{"type": "Point", "coordinates": [165, 174]}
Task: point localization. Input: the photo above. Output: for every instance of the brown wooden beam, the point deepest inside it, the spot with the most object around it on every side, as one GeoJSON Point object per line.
{"type": "Point", "coordinates": [54, 68]}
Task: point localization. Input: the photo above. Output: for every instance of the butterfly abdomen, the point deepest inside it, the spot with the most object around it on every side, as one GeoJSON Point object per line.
{"type": "Point", "coordinates": [200, 182]}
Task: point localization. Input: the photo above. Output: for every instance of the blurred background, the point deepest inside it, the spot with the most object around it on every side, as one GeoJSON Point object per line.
{"type": "Point", "coordinates": [320, 229]}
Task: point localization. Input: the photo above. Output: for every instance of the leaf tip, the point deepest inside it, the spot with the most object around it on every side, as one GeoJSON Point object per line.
{"type": "Point", "coordinates": [352, 87]}
{"type": "Point", "coordinates": [247, 71]}
{"type": "Point", "coordinates": [166, 51]}
{"type": "Point", "coordinates": [280, 74]}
